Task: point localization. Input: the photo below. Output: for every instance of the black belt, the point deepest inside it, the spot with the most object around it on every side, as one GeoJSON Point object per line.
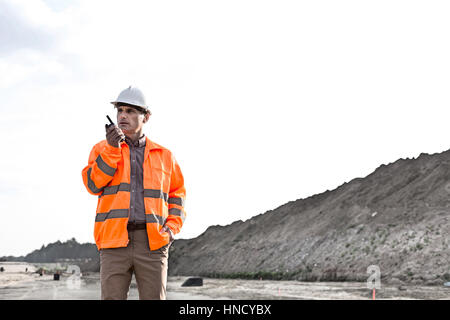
{"type": "Point", "coordinates": [131, 226]}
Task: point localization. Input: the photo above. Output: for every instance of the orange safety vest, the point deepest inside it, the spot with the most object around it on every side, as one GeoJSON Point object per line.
{"type": "Point", "coordinates": [108, 176]}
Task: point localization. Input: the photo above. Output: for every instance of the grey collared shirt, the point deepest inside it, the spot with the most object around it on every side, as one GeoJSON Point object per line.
{"type": "Point", "coordinates": [137, 207]}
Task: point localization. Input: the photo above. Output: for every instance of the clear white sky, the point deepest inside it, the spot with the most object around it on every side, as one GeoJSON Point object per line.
{"type": "Point", "coordinates": [262, 102]}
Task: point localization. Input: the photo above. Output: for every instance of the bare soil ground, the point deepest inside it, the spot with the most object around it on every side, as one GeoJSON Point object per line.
{"type": "Point", "coordinates": [32, 286]}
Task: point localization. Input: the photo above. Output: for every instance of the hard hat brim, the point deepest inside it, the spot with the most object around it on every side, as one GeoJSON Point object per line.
{"type": "Point", "coordinates": [144, 109]}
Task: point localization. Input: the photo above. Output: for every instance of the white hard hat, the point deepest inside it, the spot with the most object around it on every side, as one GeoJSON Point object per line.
{"type": "Point", "coordinates": [133, 96]}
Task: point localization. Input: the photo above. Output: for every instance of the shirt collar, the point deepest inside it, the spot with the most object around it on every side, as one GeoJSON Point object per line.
{"type": "Point", "coordinates": [138, 144]}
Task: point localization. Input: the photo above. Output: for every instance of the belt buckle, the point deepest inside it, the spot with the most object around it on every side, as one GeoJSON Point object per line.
{"type": "Point", "coordinates": [131, 226]}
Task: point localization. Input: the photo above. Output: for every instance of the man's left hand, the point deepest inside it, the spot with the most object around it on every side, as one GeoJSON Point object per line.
{"type": "Point", "coordinates": [167, 229]}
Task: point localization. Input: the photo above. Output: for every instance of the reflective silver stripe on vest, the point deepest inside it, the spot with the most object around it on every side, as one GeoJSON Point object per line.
{"type": "Point", "coordinates": [177, 212]}
{"type": "Point", "coordinates": [91, 184]}
{"type": "Point", "coordinates": [153, 193]}
{"type": "Point", "coordinates": [153, 218]}
{"type": "Point", "coordinates": [149, 193]}
{"type": "Point", "coordinates": [102, 165]}
{"type": "Point", "coordinates": [114, 189]}
{"type": "Point", "coordinates": [115, 213]}
{"type": "Point", "coordinates": [176, 200]}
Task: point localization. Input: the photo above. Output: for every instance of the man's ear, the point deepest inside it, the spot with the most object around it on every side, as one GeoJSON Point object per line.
{"type": "Point", "coordinates": [146, 117]}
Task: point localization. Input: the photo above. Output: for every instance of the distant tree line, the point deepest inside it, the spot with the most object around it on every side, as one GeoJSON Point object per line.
{"type": "Point", "coordinates": [58, 250]}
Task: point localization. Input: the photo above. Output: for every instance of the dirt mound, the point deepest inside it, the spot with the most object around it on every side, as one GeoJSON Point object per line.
{"type": "Point", "coordinates": [398, 218]}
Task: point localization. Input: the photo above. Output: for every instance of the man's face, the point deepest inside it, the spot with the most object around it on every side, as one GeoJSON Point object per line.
{"type": "Point", "coordinates": [130, 120]}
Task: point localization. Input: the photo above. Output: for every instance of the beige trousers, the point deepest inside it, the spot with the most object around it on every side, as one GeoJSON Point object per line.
{"type": "Point", "coordinates": [150, 269]}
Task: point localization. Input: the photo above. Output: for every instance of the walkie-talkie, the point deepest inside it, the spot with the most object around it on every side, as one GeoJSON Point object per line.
{"type": "Point", "coordinates": [111, 123]}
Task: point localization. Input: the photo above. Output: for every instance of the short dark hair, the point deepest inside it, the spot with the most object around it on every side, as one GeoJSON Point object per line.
{"type": "Point", "coordinates": [140, 109]}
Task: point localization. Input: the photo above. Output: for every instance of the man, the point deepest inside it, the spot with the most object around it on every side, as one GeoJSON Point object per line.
{"type": "Point", "coordinates": [141, 197]}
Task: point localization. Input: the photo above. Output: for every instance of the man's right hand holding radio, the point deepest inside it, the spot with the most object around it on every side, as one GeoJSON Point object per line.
{"type": "Point", "coordinates": [114, 135]}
